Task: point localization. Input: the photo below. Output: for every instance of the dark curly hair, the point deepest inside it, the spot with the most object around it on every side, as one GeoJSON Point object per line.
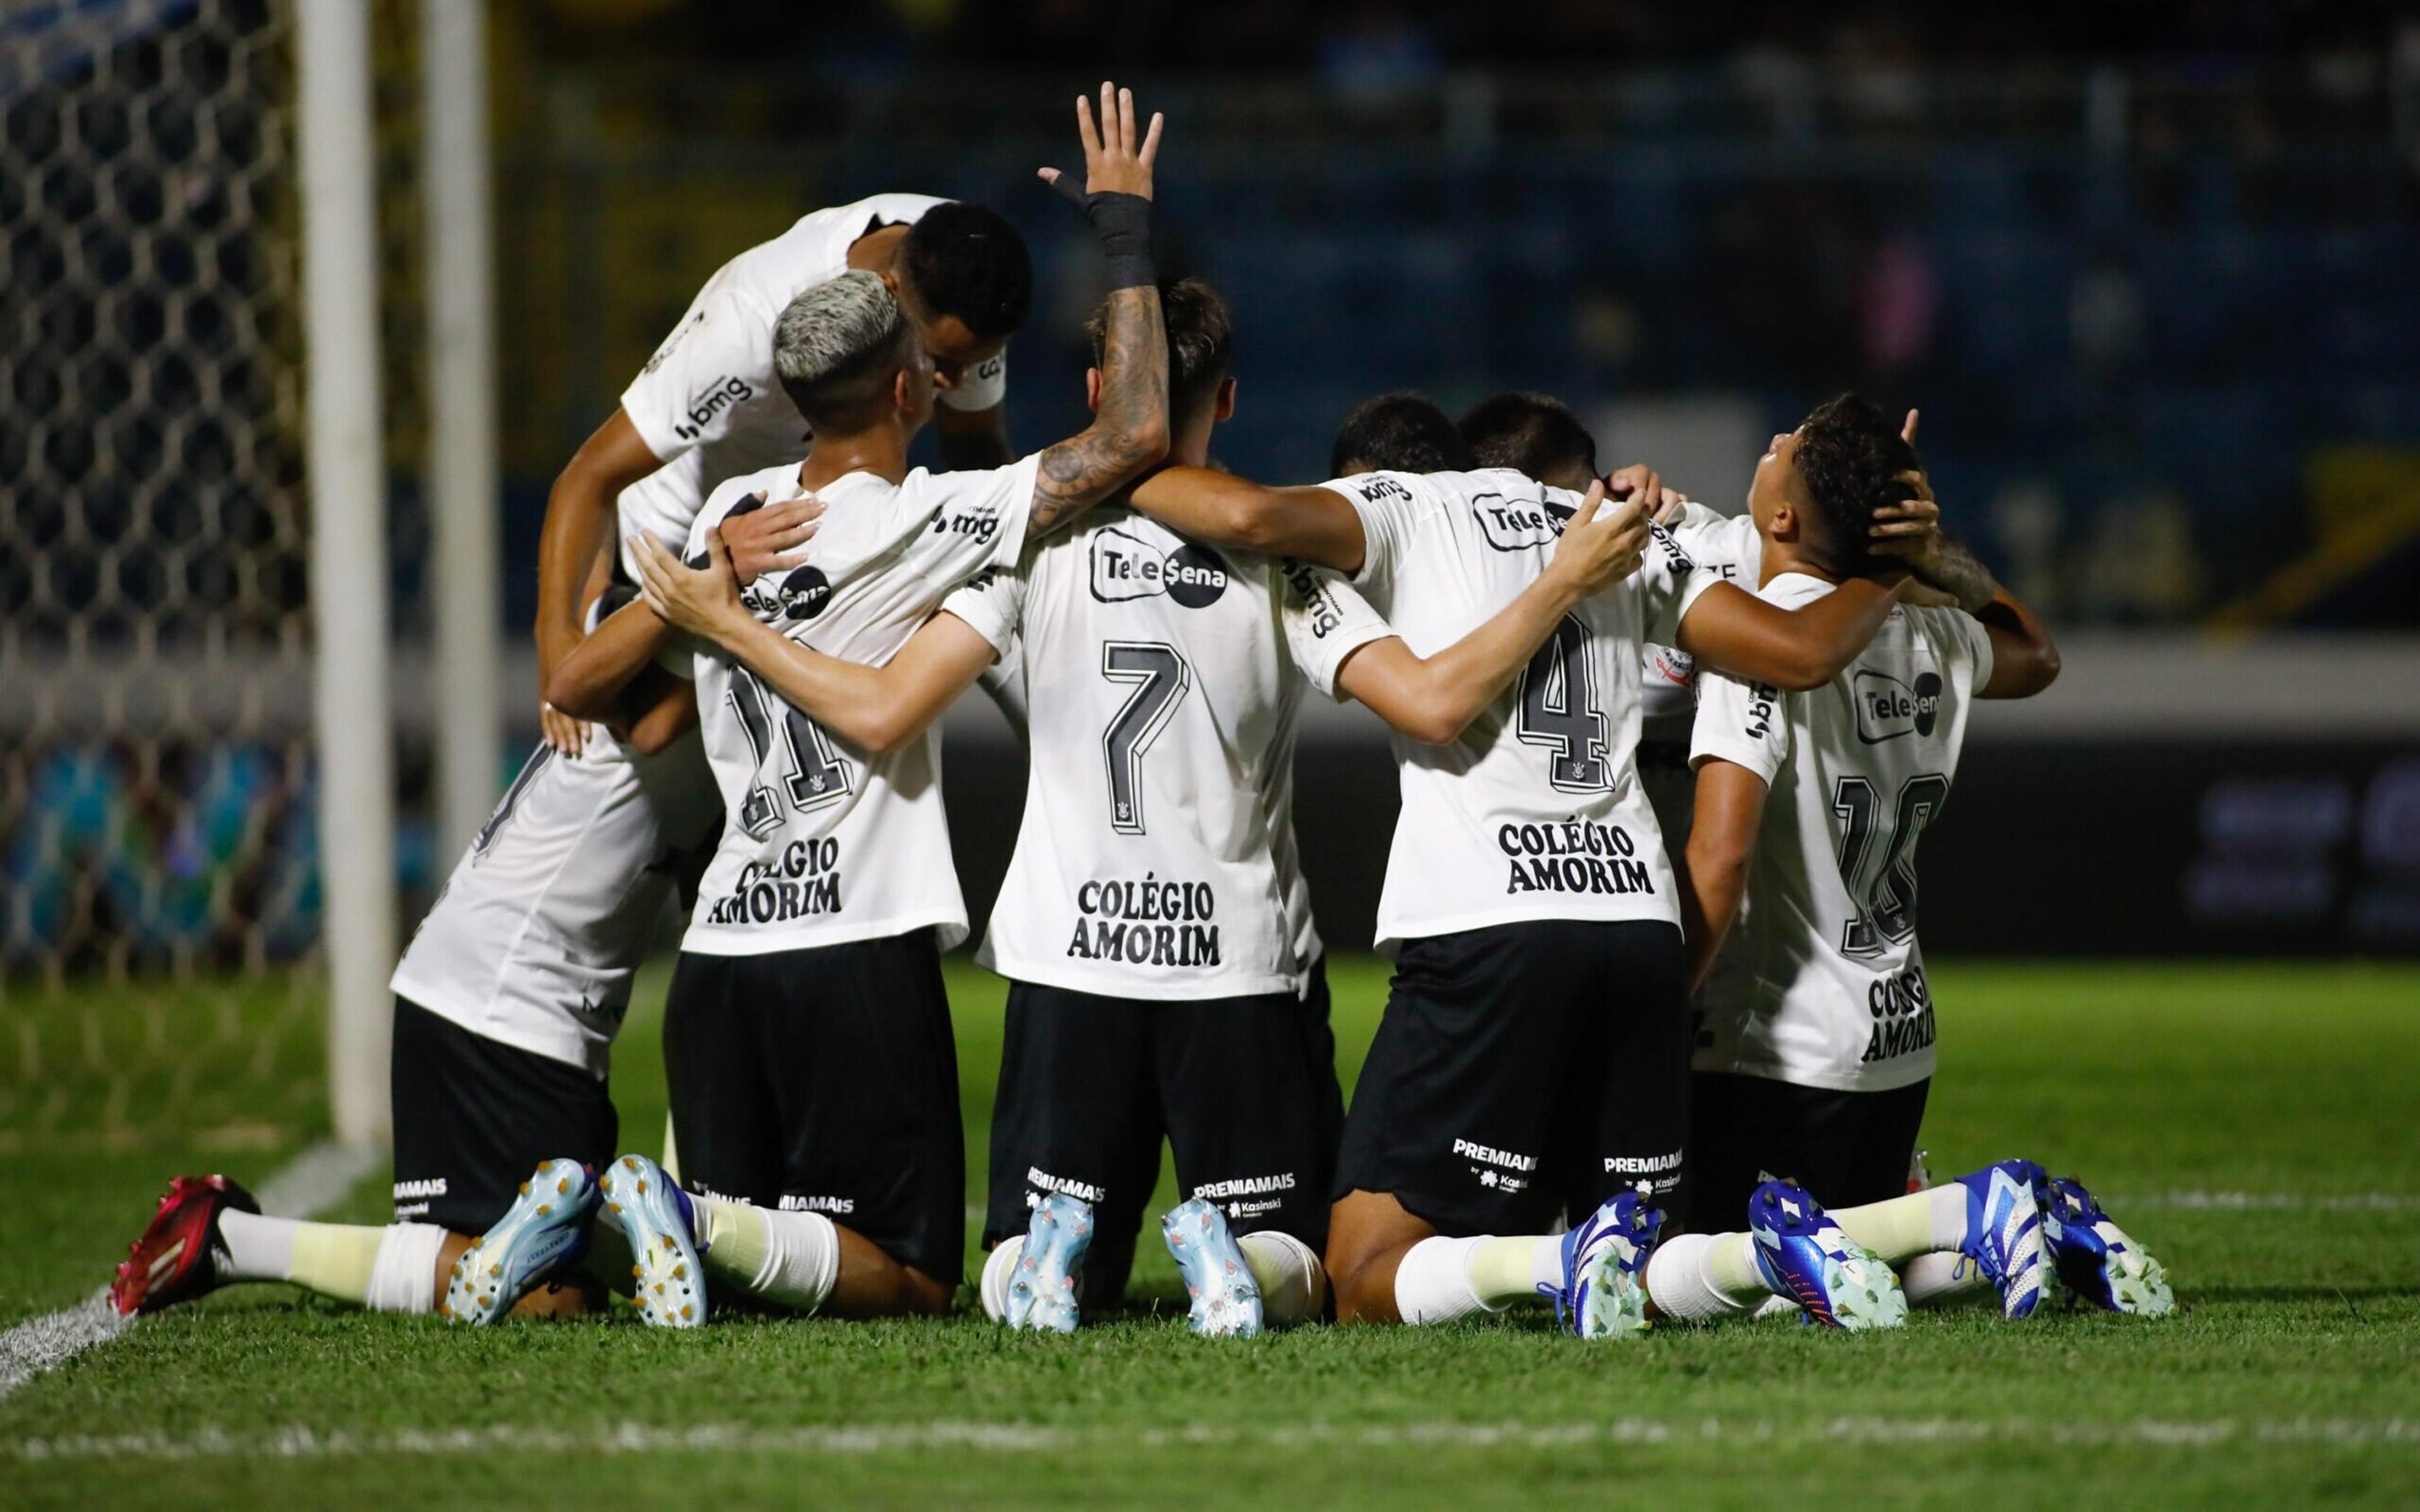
{"type": "Point", "coordinates": [1850, 456]}
{"type": "Point", "coordinates": [1200, 342]}
{"type": "Point", "coordinates": [966, 261]}
{"type": "Point", "coordinates": [1536, 434]}
{"type": "Point", "coordinates": [1398, 432]}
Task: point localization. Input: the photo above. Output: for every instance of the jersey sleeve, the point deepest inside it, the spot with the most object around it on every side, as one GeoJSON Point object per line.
{"type": "Point", "coordinates": [976, 521]}
{"type": "Point", "coordinates": [1744, 723]}
{"type": "Point", "coordinates": [1325, 620]}
{"type": "Point", "coordinates": [994, 606]}
{"type": "Point", "coordinates": [1963, 641]}
{"type": "Point", "coordinates": [718, 358]}
{"type": "Point", "coordinates": [1388, 507]}
{"type": "Point", "coordinates": [1683, 561]}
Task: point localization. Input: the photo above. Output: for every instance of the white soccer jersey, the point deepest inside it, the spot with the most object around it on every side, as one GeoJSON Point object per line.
{"type": "Point", "coordinates": [543, 923]}
{"type": "Point", "coordinates": [825, 843]}
{"type": "Point", "coordinates": [1156, 857]}
{"type": "Point", "coordinates": [1823, 983]}
{"type": "Point", "coordinates": [1536, 811]}
{"type": "Point", "coordinates": [708, 402]}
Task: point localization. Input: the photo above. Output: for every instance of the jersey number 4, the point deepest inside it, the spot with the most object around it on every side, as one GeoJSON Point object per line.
{"type": "Point", "coordinates": [812, 774]}
{"type": "Point", "coordinates": [1885, 899]}
{"type": "Point", "coordinates": [1559, 712]}
{"type": "Point", "coordinates": [1160, 677]}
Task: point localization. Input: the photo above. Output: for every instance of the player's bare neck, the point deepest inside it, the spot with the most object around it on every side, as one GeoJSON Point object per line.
{"type": "Point", "coordinates": [1784, 556]}
{"type": "Point", "coordinates": [873, 253]}
{"type": "Point", "coordinates": [881, 450]}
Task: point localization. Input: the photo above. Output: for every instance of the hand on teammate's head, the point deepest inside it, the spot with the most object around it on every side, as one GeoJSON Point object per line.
{"type": "Point", "coordinates": [1116, 161]}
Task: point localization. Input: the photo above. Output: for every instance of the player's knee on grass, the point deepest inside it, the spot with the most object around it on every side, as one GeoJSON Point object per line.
{"type": "Point", "coordinates": [1368, 1233]}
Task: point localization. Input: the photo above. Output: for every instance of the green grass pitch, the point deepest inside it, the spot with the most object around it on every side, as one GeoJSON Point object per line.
{"type": "Point", "coordinates": [2253, 1125]}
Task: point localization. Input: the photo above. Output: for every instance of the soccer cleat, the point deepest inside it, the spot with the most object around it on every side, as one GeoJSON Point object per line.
{"type": "Point", "coordinates": [1602, 1295]}
{"type": "Point", "coordinates": [1041, 1292]}
{"type": "Point", "coordinates": [1807, 1257]}
{"type": "Point", "coordinates": [2096, 1259]}
{"type": "Point", "coordinates": [544, 1230]}
{"type": "Point", "coordinates": [1226, 1299]}
{"type": "Point", "coordinates": [2004, 1231]}
{"type": "Point", "coordinates": [175, 1260]}
{"type": "Point", "coordinates": [655, 1216]}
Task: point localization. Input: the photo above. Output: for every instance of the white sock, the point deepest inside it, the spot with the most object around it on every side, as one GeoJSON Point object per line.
{"type": "Point", "coordinates": [1904, 1227]}
{"type": "Point", "coordinates": [1940, 1277]}
{"type": "Point", "coordinates": [997, 1271]}
{"type": "Point", "coordinates": [253, 1248]}
{"type": "Point", "coordinates": [1433, 1283]}
{"type": "Point", "coordinates": [788, 1257]}
{"type": "Point", "coordinates": [404, 1277]}
{"type": "Point", "coordinates": [1509, 1270]}
{"type": "Point", "coordinates": [1681, 1284]}
{"type": "Point", "coordinates": [1294, 1286]}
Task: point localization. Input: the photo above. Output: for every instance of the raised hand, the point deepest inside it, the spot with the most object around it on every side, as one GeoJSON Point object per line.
{"type": "Point", "coordinates": [1602, 546]}
{"type": "Point", "coordinates": [1116, 160]}
{"type": "Point", "coordinates": [1909, 530]}
{"type": "Point", "coordinates": [767, 539]}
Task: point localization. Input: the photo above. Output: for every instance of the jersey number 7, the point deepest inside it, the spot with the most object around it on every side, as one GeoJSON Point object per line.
{"type": "Point", "coordinates": [1160, 678]}
{"type": "Point", "coordinates": [815, 775]}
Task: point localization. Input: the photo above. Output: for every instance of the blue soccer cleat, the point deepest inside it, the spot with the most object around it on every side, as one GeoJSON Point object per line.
{"type": "Point", "coordinates": [544, 1230]}
{"type": "Point", "coordinates": [657, 1219]}
{"type": "Point", "coordinates": [1808, 1258]}
{"type": "Point", "coordinates": [1602, 1295]}
{"type": "Point", "coordinates": [2096, 1259]}
{"type": "Point", "coordinates": [1226, 1299]}
{"type": "Point", "coordinates": [1041, 1290]}
{"type": "Point", "coordinates": [2004, 1231]}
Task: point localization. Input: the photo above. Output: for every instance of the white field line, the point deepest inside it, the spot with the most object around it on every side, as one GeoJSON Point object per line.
{"type": "Point", "coordinates": [300, 1442]}
{"type": "Point", "coordinates": [2273, 1201]}
{"type": "Point", "coordinates": [311, 1183]}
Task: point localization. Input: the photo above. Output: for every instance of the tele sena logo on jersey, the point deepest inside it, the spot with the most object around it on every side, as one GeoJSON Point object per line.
{"type": "Point", "coordinates": [1126, 567]}
{"type": "Point", "coordinates": [1888, 708]}
{"type": "Point", "coordinates": [1572, 856]}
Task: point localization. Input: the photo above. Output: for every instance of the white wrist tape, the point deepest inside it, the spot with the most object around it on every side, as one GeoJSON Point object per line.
{"type": "Point", "coordinates": [980, 387]}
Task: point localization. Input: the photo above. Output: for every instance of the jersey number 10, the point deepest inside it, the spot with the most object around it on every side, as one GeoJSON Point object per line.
{"type": "Point", "coordinates": [1885, 900]}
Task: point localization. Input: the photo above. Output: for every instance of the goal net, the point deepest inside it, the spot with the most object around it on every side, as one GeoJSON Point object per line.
{"type": "Point", "coordinates": [158, 959]}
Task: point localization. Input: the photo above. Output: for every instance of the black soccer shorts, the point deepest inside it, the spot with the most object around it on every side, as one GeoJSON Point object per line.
{"type": "Point", "coordinates": [1523, 1071]}
{"type": "Point", "coordinates": [473, 1116]}
{"type": "Point", "coordinates": [1846, 1148]}
{"type": "Point", "coordinates": [825, 1080]}
{"type": "Point", "coordinates": [1243, 1088]}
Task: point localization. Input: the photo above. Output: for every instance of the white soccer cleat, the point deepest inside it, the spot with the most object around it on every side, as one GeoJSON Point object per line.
{"type": "Point", "coordinates": [543, 1231]}
{"type": "Point", "coordinates": [1226, 1299]}
{"type": "Point", "coordinates": [1042, 1293]}
{"type": "Point", "coordinates": [656, 1218]}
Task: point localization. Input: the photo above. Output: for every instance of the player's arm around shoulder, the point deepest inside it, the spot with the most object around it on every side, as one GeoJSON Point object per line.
{"type": "Point", "coordinates": [1311, 524]}
{"type": "Point", "coordinates": [2016, 652]}
{"type": "Point", "coordinates": [1435, 698]}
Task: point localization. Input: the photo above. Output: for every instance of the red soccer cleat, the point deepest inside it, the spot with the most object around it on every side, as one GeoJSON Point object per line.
{"type": "Point", "coordinates": [172, 1262]}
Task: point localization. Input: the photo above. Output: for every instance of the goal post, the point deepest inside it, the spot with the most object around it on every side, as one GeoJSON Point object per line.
{"type": "Point", "coordinates": [351, 718]}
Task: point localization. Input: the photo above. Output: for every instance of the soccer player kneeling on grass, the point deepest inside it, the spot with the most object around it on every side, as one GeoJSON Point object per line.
{"type": "Point", "coordinates": [807, 1037]}
{"type": "Point", "coordinates": [1533, 1058]}
{"type": "Point", "coordinates": [1153, 923]}
{"type": "Point", "coordinates": [1801, 904]}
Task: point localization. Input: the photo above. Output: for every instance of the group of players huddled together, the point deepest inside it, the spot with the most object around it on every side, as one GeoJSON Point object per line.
{"type": "Point", "coordinates": [1642, 1068]}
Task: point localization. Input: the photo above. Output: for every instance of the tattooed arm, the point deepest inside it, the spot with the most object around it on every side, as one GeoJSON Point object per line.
{"type": "Point", "coordinates": [1129, 430]}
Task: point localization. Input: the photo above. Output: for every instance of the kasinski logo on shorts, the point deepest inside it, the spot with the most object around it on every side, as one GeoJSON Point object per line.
{"type": "Point", "coordinates": [1126, 567]}
{"type": "Point", "coordinates": [1888, 708]}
